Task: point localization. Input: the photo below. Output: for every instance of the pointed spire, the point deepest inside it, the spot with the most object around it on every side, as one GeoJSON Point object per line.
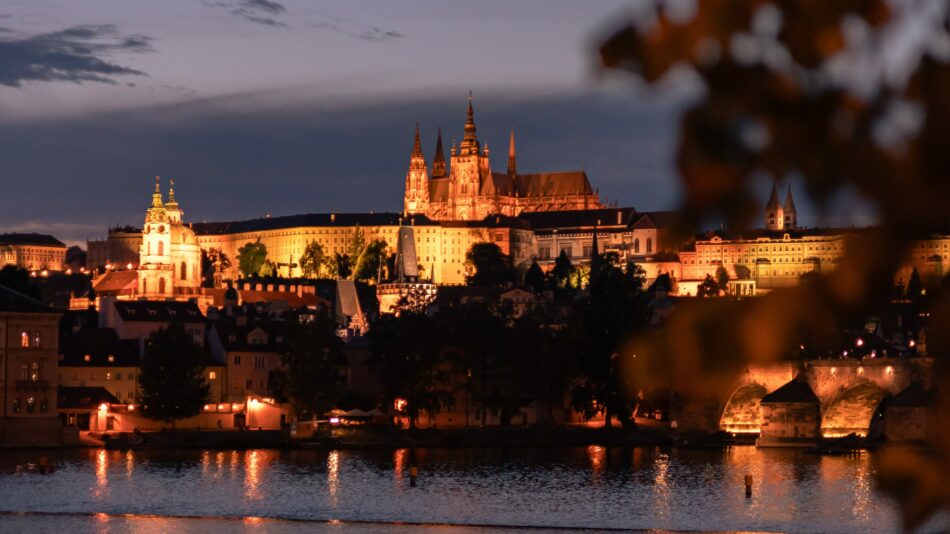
{"type": "Point", "coordinates": [789, 201]}
{"type": "Point", "coordinates": [171, 193]}
{"type": "Point", "coordinates": [469, 143]}
{"type": "Point", "coordinates": [773, 197]}
{"type": "Point", "coordinates": [417, 144]}
{"type": "Point", "coordinates": [438, 163]}
{"type": "Point", "coordinates": [512, 162]}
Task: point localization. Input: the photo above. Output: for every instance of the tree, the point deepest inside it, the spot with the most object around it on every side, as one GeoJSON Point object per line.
{"type": "Point", "coordinates": [708, 287]}
{"type": "Point", "coordinates": [356, 245]}
{"type": "Point", "coordinates": [561, 273]}
{"type": "Point", "coordinates": [489, 265]}
{"type": "Point", "coordinates": [171, 375]}
{"type": "Point", "coordinates": [722, 278]}
{"type": "Point", "coordinates": [251, 258]}
{"type": "Point", "coordinates": [371, 258]}
{"type": "Point", "coordinates": [534, 278]}
{"type": "Point", "coordinates": [315, 377]}
{"type": "Point", "coordinates": [915, 288]}
{"type": "Point", "coordinates": [407, 358]}
{"type": "Point", "coordinates": [613, 312]}
{"type": "Point", "coordinates": [213, 263]}
{"type": "Point", "coordinates": [311, 261]}
{"type": "Point", "coordinates": [18, 280]}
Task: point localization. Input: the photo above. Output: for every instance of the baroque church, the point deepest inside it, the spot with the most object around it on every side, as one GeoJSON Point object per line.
{"type": "Point", "coordinates": [170, 258]}
{"type": "Point", "coordinates": [468, 189]}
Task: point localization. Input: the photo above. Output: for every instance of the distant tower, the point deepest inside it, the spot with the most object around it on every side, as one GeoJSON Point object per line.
{"type": "Point", "coordinates": [774, 213]}
{"type": "Point", "coordinates": [172, 207]}
{"type": "Point", "coordinates": [438, 162]}
{"type": "Point", "coordinates": [512, 162]}
{"type": "Point", "coordinates": [468, 171]}
{"type": "Point", "coordinates": [155, 261]}
{"type": "Point", "coordinates": [417, 180]}
{"type": "Point", "coordinates": [789, 211]}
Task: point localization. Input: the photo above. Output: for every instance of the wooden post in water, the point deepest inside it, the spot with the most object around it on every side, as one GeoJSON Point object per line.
{"type": "Point", "coordinates": [748, 486]}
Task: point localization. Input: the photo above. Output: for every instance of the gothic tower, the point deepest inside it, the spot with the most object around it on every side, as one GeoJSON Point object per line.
{"type": "Point", "coordinates": [774, 216]}
{"type": "Point", "coordinates": [512, 162]}
{"type": "Point", "coordinates": [438, 162]}
{"type": "Point", "coordinates": [417, 180]}
{"type": "Point", "coordinates": [789, 211]}
{"type": "Point", "coordinates": [469, 169]}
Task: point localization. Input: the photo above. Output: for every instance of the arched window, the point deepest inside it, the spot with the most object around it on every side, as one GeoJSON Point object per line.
{"type": "Point", "coordinates": [161, 286]}
{"type": "Point", "coordinates": [636, 246]}
{"type": "Point", "coordinates": [144, 286]}
{"type": "Point", "coordinates": [24, 339]}
{"type": "Point", "coordinates": [161, 248]}
{"type": "Point", "coordinates": [184, 271]}
{"type": "Point", "coordinates": [35, 372]}
{"type": "Point", "coordinates": [649, 245]}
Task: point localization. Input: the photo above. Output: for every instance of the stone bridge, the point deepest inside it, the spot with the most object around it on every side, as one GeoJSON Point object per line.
{"type": "Point", "coordinates": [849, 393]}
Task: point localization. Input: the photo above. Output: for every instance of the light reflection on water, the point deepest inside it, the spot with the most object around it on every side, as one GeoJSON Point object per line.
{"type": "Point", "coordinates": [591, 486]}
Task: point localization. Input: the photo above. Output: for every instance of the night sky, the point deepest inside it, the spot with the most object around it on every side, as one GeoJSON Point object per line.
{"type": "Point", "coordinates": [292, 106]}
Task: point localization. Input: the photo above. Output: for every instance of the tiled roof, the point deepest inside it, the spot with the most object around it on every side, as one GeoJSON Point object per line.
{"type": "Point", "coordinates": [159, 311]}
{"type": "Point", "coordinates": [235, 338]}
{"type": "Point", "coordinates": [14, 301]}
{"type": "Point", "coordinates": [550, 184]}
{"type": "Point", "coordinates": [311, 219]}
{"type": "Point", "coordinates": [83, 397]}
{"type": "Point", "coordinates": [116, 282]}
{"type": "Point", "coordinates": [606, 217]}
{"type": "Point", "coordinates": [99, 344]}
{"type": "Point", "coordinates": [45, 240]}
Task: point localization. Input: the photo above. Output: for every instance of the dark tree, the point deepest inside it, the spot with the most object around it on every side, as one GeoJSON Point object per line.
{"type": "Point", "coordinates": [708, 287]}
{"type": "Point", "coordinates": [18, 280]}
{"type": "Point", "coordinates": [534, 278]}
{"type": "Point", "coordinates": [490, 266]}
{"type": "Point", "coordinates": [213, 262]}
{"type": "Point", "coordinates": [407, 359]}
{"type": "Point", "coordinates": [371, 258]}
{"type": "Point", "coordinates": [722, 278]}
{"type": "Point", "coordinates": [251, 258]}
{"type": "Point", "coordinates": [614, 312]}
{"type": "Point", "coordinates": [311, 261]}
{"type": "Point", "coordinates": [562, 272]}
{"type": "Point", "coordinates": [171, 375]}
{"type": "Point", "coordinates": [915, 288]}
{"type": "Point", "coordinates": [315, 377]}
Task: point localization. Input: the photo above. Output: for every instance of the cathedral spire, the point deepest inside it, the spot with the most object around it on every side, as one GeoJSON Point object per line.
{"type": "Point", "coordinates": [438, 163]}
{"type": "Point", "coordinates": [469, 143]}
{"type": "Point", "coordinates": [773, 198]}
{"type": "Point", "coordinates": [417, 145]}
{"type": "Point", "coordinates": [512, 162]}
{"type": "Point", "coordinates": [789, 201]}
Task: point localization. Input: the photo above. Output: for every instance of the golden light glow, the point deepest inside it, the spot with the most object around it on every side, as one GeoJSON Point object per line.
{"type": "Point", "coordinates": [889, 370]}
{"type": "Point", "coordinates": [252, 474]}
{"type": "Point", "coordinates": [102, 473]}
{"type": "Point", "coordinates": [131, 407]}
{"type": "Point", "coordinates": [103, 408]}
{"type": "Point", "coordinates": [400, 404]}
{"type": "Point", "coordinates": [333, 474]}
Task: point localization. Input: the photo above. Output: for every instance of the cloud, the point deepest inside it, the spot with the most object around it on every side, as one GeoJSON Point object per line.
{"type": "Point", "coordinates": [74, 54]}
{"type": "Point", "coordinates": [349, 27]}
{"type": "Point", "coordinates": [256, 11]}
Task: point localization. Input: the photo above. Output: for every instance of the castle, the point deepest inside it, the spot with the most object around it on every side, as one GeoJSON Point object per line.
{"type": "Point", "coordinates": [468, 189]}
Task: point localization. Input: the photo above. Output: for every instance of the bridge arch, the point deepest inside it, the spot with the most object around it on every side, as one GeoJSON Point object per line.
{"type": "Point", "coordinates": [852, 410]}
{"type": "Point", "coordinates": [741, 413]}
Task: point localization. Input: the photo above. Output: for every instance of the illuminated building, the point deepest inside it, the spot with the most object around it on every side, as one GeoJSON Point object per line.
{"type": "Point", "coordinates": [33, 252]}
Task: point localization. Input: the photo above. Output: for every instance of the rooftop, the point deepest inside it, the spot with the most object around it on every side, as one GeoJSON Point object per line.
{"type": "Point", "coordinates": [45, 240]}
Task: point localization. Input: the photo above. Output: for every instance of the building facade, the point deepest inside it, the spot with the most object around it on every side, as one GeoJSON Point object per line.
{"type": "Point", "coordinates": [28, 358]}
{"type": "Point", "coordinates": [33, 252]}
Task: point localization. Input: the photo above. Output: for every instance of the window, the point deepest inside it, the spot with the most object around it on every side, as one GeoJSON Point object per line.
{"type": "Point", "coordinates": [111, 358]}
{"type": "Point", "coordinates": [249, 384]}
{"type": "Point", "coordinates": [130, 395]}
{"type": "Point", "coordinates": [237, 360]}
{"type": "Point", "coordinates": [587, 251]}
{"type": "Point", "coordinates": [24, 372]}
{"type": "Point", "coordinates": [161, 287]}
{"type": "Point", "coordinates": [131, 376]}
{"type": "Point", "coordinates": [24, 339]}
{"type": "Point", "coordinates": [212, 375]}
{"type": "Point", "coordinates": [161, 248]}
{"type": "Point", "coordinates": [86, 358]}
{"type": "Point", "coordinates": [184, 271]}
{"type": "Point", "coordinates": [35, 372]}
{"type": "Point", "coordinates": [31, 405]}
{"type": "Point", "coordinates": [16, 406]}
{"type": "Point", "coordinates": [636, 246]}
{"type": "Point", "coordinates": [258, 362]}
{"type": "Point", "coordinates": [108, 376]}
{"type": "Point", "coordinates": [649, 245]}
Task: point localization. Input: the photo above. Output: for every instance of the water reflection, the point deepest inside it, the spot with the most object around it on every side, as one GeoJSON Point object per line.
{"type": "Point", "coordinates": [637, 488]}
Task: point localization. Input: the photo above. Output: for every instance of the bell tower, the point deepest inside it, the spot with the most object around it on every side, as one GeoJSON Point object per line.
{"type": "Point", "coordinates": [774, 213]}
{"type": "Point", "coordinates": [788, 211]}
{"type": "Point", "coordinates": [417, 180]}
{"type": "Point", "coordinates": [155, 264]}
{"type": "Point", "coordinates": [469, 167]}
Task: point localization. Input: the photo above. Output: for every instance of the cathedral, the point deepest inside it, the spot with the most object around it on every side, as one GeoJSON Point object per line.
{"type": "Point", "coordinates": [467, 189]}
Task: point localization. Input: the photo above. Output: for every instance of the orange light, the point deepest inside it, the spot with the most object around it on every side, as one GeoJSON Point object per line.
{"type": "Point", "coordinates": [131, 407]}
{"type": "Point", "coordinates": [223, 407]}
{"type": "Point", "coordinates": [235, 407]}
{"type": "Point", "coordinates": [103, 407]}
{"type": "Point", "coordinates": [859, 342]}
{"type": "Point", "coordinates": [129, 266]}
{"type": "Point", "coordinates": [209, 408]}
{"type": "Point", "coordinates": [400, 404]}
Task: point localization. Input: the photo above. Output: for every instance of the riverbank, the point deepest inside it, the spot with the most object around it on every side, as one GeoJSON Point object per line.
{"type": "Point", "coordinates": [370, 437]}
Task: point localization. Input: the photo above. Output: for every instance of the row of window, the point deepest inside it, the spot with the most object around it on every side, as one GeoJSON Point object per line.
{"type": "Point", "coordinates": [31, 405]}
{"type": "Point", "coordinates": [30, 372]}
{"type": "Point", "coordinates": [28, 340]}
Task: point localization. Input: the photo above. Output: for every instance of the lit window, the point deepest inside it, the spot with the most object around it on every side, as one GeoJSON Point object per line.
{"type": "Point", "coordinates": [212, 375]}
{"type": "Point", "coordinates": [111, 358]}
{"type": "Point", "coordinates": [35, 340]}
{"type": "Point", "coordinates": [31, 405]}
{"type": "Point", "coordinates": [24, 339]}
{"type": "Point", "coordinates": [86, 358]}
{"type": "Point", "coordinates": [108, 376]}
{"type": "Point", "coordinates": [44, 405]}
{"type": "Point", "coordinates": [237, 360]}
{"type": "Point", "coordinates": [16, 406]}
{"type": "Point", "coordinates": [35, 371]}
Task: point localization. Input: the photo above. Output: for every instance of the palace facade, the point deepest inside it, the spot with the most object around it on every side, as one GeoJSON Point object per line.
{"type": "Point", "coordinates": [33, 252]}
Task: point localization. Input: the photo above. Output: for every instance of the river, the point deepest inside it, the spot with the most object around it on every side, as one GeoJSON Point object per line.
{"type": "Point", "coordinates": [368, 491]}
